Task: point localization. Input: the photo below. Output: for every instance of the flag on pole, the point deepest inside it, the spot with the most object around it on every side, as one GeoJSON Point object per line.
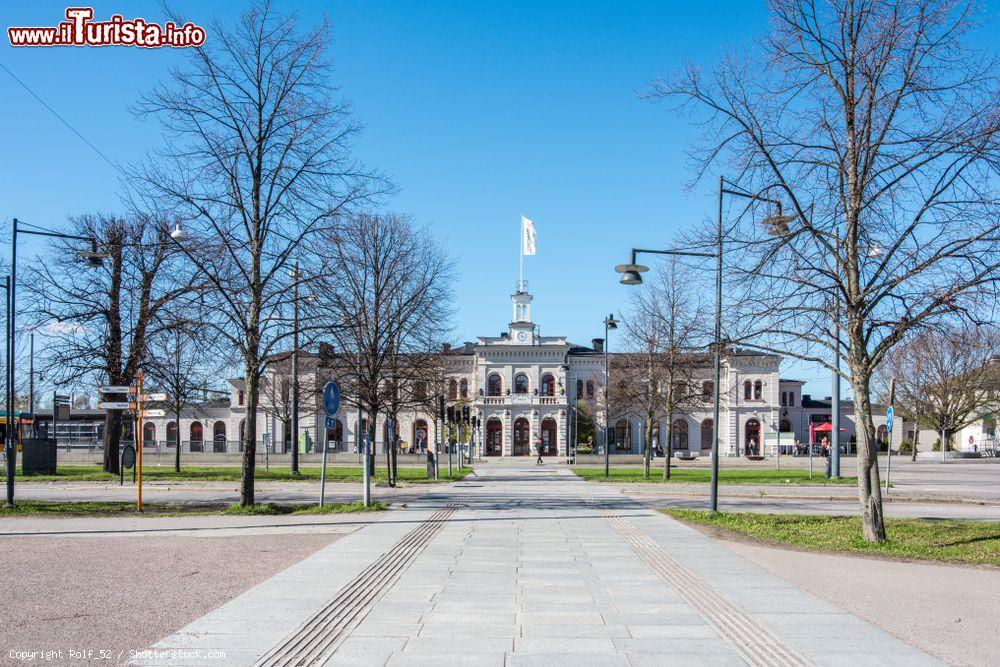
{"type": "Point", "coordinates": [527, 236]}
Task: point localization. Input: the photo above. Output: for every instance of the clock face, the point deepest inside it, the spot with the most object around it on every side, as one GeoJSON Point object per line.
{"type": "Point", "coordinates": [522, 336]}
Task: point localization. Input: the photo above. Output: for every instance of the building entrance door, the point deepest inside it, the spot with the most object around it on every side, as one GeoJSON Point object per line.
{"type": "Point", "coordinates": [522, 437]}
{"type": "Point", "coordinates": [494, 438]}
{"type": "Point", "coordinates": [549, 445]}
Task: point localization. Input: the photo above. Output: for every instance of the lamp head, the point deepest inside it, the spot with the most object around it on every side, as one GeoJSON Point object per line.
{"type": "Point", "coordinates": [631, 273]}
{"type": "Point", "coordinates": [177, 233]}
{"type": "Point", "coordinates": [777, 225]}
{"type": "Point", "coordinates": [92, 256]}
{"type": "Point", "coordinates": [610, 322]}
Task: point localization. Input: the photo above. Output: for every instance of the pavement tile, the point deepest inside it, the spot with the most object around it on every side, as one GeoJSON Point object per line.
{"type": "Point", "coordinates": [465, 646]}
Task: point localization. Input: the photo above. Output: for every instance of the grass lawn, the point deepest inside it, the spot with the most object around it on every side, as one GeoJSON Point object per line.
{"type": "Point", "coordinates": [948, 540]}
{"type": "Point", "coordinates": [792, 476]}
{"type": "Point", "coordinates": [93, 473]}
{"type": "Point", "coordinates": [43, 507]}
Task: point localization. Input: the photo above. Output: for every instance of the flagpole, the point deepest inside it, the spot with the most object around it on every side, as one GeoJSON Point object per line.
{"type": "Point", "coordinates": [520, 283]}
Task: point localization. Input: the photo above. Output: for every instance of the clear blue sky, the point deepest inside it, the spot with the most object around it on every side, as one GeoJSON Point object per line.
{"type": "Point", "coordinates": [479, 111]}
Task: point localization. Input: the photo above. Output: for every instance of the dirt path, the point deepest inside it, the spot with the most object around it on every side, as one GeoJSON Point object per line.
{"type": "Point", "coordinates": [122, 594]}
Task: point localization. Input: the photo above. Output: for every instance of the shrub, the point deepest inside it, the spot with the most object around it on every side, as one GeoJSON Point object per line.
{"type": "Point", "coordinates": [906, 447]}
{"type": "Point", "coordinates": [937, 446]}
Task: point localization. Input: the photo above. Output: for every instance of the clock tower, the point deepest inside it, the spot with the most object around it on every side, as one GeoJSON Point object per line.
{"type": "Point", "coordinates": [522, 330]}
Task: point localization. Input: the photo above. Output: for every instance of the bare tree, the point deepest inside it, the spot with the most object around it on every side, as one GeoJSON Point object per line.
{"type": "Point", "coordinates": [876, 124]}
{"type": "Point", "coordinates": [258, 162]}
{"type": "Point", "coordinates": [947, 378]}
{"type": "Point", "coordinates": [663, 332]}
{"type": "Point", "coordinates": [184, 360]}
{"type": "Point", "coordinates": [391, 281]}
{"type": "Point", "coordinates": [96, 323]}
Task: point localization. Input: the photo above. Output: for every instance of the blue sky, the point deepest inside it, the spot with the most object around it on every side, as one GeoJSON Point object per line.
{"type": "Point", "coordinates": [479, 112]}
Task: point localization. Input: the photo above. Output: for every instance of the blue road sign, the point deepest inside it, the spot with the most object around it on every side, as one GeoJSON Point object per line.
{"type": "Point", "coordinates": [331, 422]}
{"type": "Point", "coordinates": [889, 414]}
{"type": "Point", "coordinates": [331, 398]}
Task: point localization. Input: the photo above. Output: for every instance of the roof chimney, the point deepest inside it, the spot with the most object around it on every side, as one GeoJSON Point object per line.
{"type": "Point", "coordinates": [598, 344]}
{"type": "Point", "coordinates": [446, 347]}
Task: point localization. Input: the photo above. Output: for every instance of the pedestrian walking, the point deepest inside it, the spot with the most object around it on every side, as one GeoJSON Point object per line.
{"type": "Point", "coordinates": [538, 447]}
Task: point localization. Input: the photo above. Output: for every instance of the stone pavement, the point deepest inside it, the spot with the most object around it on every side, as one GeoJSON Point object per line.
{"type": "Point", "coordinates": [527, 565]}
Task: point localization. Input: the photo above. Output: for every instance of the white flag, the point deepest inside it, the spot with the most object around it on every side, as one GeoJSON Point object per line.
{"type": "Point", "coordinates": [527, 236]}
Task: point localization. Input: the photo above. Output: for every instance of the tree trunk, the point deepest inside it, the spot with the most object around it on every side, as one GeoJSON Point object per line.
{"type": "Point", "coordinates": [869, 491]}
{"type": "Point", "coordinates": [668, 452]}
{"type": "Point", "coordinates": [251, 380]}
{"type": "Point", "coordinates": [372, 430]}
{"type": "Point", "coordinates": [648, 449]}
{"type": "Point", "coordinates": [916, 440]}
{"type": "Point", "coordinates": [112, 440]}
{"type": "Point", "coordinates": [177, 443]}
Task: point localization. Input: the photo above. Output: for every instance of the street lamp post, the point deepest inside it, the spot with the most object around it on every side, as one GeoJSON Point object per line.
{"type": "Point", "coordinates": [609, 325]}
{"type": "Point", "coordinates": [93, 258]}
{"type": "Point", "coordinates": [295, 370]}
{"type": "Point", "coordinates": [631, 275]}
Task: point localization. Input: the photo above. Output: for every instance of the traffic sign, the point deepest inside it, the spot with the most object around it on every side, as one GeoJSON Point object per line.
{"type": "Point", "coordinates": [115, 405]}
{"type": "Point", "coordinates": [154, 413]}
{"type": "Point", "coordinates": [331, 422]}
{"type": "Point", "coordinates": [154, 397]}
{"type": "Point", "coordinates": [331, 398]}
{"type": "Point", "coordinates": [116, 389]}
{"type": "Point", "coordinates": [889, 414]}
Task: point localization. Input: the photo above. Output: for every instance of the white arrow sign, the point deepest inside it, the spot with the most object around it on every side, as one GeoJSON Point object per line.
{"type": "Point", "coordinates": [114, 405]}
{"type": "Point", "coordinates": [115, 389]}
{"type": "Point", "coordinates": [154, 397]}
{"type": "Point", "coordinates": [154, 413]}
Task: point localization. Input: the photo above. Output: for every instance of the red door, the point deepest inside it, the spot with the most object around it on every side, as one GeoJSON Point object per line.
{"type": "Point", "coordinates": [494, 438]}
{"type": "Point", "coordinates": [549, 446]}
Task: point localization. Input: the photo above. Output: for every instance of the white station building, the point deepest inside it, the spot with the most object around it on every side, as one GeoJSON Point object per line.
{"type": "Point", "coordinates": [523, 387]}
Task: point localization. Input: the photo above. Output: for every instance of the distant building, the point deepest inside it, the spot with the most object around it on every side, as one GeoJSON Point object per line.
{"type": "Point", "coordinates": [520, 387]}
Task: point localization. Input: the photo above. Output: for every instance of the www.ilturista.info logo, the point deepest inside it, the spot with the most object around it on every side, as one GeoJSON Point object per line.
{"type": "Point", "coordinates": [80, 30]}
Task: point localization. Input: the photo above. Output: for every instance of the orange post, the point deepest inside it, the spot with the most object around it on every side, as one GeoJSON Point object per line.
{"type": "Point", "coordinates": [138, 442]}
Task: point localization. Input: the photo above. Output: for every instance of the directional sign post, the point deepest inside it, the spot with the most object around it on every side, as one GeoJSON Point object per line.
{"type": "Point", "coordinates": [890, 414]}
{"type": "Point", "coordinates": [331, 403]}
{"type": "Point", "coordinates": [115, 405]}
{"type": "Point", "coordinates": [116, 389]}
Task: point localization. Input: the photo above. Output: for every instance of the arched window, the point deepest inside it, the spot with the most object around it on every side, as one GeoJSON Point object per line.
{"type": "Point", "coordinates": [243, 432]}
{"type": "Point", "coordinates": [452, 389]}
{"type": "Point", "coordinates": [520, 383]}
{"type": "Point", "coordinates": [623, 435]}
{"type": "Point", "coordinates": [680, 435]}
{"type": "Point", "coordinates": [197, 436]}
{"type": "Point", "coordinates": [494, 385]}
{"type": "Point", "coordinates": [171, 434]}
{"type": "Point", "coordinates": [149, 435]}
{"type": "Point", "coordinates": [463, 388]}
{"type": "Point", "coordinates": [219, 436]}
{"type": "Point", "coordinates": [579, 389]}
{"type": "Point", "coordinates": [335, 436]}
{"type": "Point", "coordinates": [791, 399]}
{"type": "Point", "coordinates": [590, 388]}
{"type": "Point", "coordinates": [747, 388]}
{"type": "Point", "coordinates": [548, 387]}
{"type": "Point", "coordinates": [784, 398]}
{"type": "Point", "coordinates": [785, 426]}
{"type": "Point", "coordinates": [758, 390]}
{"type": "Point", "coordinates": [707, 389]}
{"type": "Point", "coordinates": [706, 434]}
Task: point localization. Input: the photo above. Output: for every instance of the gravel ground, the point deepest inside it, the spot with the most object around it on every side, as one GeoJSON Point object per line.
{"type": "Point", "coordinates": [949, 611]}
{"type": "Point", "coordinates": [118, 595]}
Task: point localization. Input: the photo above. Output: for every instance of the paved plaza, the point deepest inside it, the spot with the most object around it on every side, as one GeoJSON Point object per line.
{"type": "Point", "coordinates": [525, 564]}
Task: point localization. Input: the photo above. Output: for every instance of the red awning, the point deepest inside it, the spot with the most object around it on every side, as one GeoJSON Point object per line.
{"type": "Point", "coordinates": [825, 427]}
